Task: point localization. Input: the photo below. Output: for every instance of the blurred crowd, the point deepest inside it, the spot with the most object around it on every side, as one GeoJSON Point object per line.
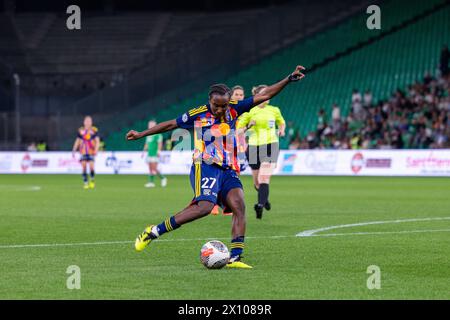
{"type": "Point", "coordinates": [415, 118]}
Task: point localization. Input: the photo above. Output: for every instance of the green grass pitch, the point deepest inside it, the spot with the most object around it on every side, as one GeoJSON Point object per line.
{"type": "Point", "coordinates": [414, 257]}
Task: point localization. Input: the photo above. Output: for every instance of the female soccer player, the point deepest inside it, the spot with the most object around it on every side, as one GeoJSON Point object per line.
{"type": "Point", "coordinates": [237, 94]}
{"type": "Point", "coordinates": [87, 143]}
{"type": "Point", "coordinates": [213, 176]}
{"type": "Point", "coordinates": [153, 146]}
{"type": "Point", "coordinates": [262, 153]}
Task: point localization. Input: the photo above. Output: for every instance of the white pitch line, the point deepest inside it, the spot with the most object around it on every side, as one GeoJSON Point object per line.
{"type": "Point", "coordinates": [309, 233]}
{"type": "Point", "coordinates": [47, 245]}
{"type": "Point", "coordinates": [19, 188]}
{"type": "Point", "coordinates": [378, 232]}
{"type": "Point", "coordinates": [43, 245]}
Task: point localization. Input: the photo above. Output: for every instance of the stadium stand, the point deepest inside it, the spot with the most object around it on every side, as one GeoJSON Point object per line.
{"type": "Point", "coordinates": [405, 39]}
{"type": "Point", "coordinates": [178, 70]}
{"type": "Point", "coordinates": [140, 76]}
{"type": "Point", "coordinates": [120, 59]}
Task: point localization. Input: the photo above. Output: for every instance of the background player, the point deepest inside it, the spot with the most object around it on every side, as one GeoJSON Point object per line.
{"type": "Point", "coordinates": [87, 143]}
{"type": "Point", "coordinates": [153, 146]}
{"type": "Point", "coordinates": [263, 146]}
{"type": "Point", "coordinates": [213, 173]}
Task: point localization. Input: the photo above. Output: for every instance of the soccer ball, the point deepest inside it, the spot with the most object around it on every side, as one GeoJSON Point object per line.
{"type": "Point", "coordinates": [214, 255]}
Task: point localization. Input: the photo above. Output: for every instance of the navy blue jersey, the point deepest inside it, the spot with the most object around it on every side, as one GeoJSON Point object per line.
{"type": "Point", "coordinates": [214, 138]}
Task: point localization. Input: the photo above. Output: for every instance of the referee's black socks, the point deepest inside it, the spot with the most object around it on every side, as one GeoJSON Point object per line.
{"type": "Point", "coordinates": [263, 193]}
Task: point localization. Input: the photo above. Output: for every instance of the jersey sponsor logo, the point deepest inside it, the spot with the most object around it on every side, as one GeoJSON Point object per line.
{"type": "Point", "coordinates": [219, 130]}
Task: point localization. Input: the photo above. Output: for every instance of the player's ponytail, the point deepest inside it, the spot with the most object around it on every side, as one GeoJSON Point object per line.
{"type": "Point", "coordinates": [258, 89]}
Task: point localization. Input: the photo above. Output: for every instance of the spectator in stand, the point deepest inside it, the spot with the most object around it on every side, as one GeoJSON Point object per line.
{"type": "Point", "coordinates": [356, 96]}
{"type": "Point", "coordinates": [41, 146]}
{"type": "Point", "coordinates": [32, 147]}
{"type": "Point", "coordinates": [336, 118]}
{"type": "Point", "coordinates": [321, 121]}
{"type": "Point", "coordinates": [102, 146]}
{"type": "Point", "coordinates": [417, 118]}
{"type": "Point", "coordinates": [367, 99]}
{"type": "Point", "coordinates": [296, 143]}
{"type": "Point", "coordinates": [168, 144]}
{"type": "Point", "coordinates": [354, 142]}
{"type": "Point", "coordinates": [290, 134]}
{"type": "Point", "coordinates": [357, 106]}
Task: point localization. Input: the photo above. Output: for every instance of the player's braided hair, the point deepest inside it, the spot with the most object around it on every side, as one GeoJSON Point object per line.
{"type": "Point", "coordinates": [220, 89]}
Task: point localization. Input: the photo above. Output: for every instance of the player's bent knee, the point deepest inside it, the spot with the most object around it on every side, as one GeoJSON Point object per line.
{"type": "Point", "coordinates": [205, 208]}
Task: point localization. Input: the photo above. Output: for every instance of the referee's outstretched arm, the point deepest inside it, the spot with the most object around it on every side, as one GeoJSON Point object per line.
{"type": "Point", "coordinates": [274, 89]}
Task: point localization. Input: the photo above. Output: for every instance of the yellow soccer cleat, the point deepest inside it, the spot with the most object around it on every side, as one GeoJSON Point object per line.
{"type": "Point", "coordinates": [92, 184]}
{"type": "Point", "coordinates": [85, 186]}
{"type": "Point", "coordinates": [143, 239]}
{"type": "Point", "coordinates": [237, 263]}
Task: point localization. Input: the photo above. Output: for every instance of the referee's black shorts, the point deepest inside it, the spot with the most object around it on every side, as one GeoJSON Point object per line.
{"type": "Point", "coordinates": [263, 153]}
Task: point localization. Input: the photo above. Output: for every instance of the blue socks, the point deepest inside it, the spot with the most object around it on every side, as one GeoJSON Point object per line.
{"type": "Point", "coordinates": [237, 246]}
{"type": "Point", "coordinates": [166, 226]}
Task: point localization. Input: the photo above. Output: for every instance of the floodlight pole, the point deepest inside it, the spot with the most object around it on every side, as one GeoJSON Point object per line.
{"type": "Point", "coordinates": [16, 79]}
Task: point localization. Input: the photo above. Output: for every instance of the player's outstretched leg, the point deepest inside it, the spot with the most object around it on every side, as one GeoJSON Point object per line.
{"type": "Point", "coordinates": [191, 213]}
{"type": "Point", "coordinates": [235, 200]}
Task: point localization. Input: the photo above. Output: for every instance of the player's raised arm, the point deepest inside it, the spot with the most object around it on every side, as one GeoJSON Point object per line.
{"type": "Point", "coordinates": [159, 128]}
{"type": "Point", "coordinates": [274, 89]}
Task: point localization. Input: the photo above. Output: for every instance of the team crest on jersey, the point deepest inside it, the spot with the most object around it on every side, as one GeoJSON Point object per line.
{"type": "Point", "coordinates": [185, 117]}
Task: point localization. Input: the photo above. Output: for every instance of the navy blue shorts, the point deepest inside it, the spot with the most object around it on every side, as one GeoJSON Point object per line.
{"type": "Point", "coordinates": [212, 183]}
{"type": "Point", "coordinates": [86, 157]}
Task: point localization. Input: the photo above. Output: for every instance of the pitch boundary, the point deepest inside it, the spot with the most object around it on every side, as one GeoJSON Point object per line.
{"type": "Point", "coordinates": [99, 243]}
{"type": "Point", "coordinates": [307, 233]}
{"type": "Point", "coordinates": [313, 232]}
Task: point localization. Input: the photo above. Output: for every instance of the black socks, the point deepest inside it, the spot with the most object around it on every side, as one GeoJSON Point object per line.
{"type": "Point", "coordinates": [263, 193]}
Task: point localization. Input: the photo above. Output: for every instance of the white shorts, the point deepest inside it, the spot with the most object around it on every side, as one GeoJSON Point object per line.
{"type": "Point", "coordinates": [152, 159]}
